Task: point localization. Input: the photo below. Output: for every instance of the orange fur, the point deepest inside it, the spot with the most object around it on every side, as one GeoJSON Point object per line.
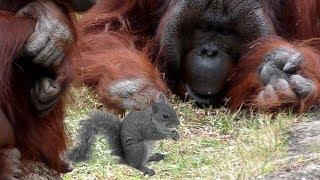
{"type": "Point", "coordinates": [303, 18]}
{"type": "Point", "coordinates": [111, 47]}
{"type": "Point", "coordinates": [121, 14]}
{"type": "Point", "coordinates": [38, 139]}
{"type": "Point", "coordinates": [112, 57]}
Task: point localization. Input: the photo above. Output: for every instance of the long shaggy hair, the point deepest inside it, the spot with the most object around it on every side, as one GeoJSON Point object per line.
{"type": "Point", "coordinates": [120, 38]}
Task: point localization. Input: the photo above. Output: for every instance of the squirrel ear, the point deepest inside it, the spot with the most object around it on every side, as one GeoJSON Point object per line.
{"type": "Point", "coordinates": [154, 106]}
{"type": "Point", "coordinates": [162, 98]}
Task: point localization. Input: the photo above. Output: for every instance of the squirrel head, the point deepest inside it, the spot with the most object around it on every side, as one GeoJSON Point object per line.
{"type": "Point", "coordinates": [163, 113]}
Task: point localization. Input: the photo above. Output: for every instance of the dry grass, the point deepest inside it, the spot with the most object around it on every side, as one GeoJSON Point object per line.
{"type": "Point", "coordinates": [214, 144]}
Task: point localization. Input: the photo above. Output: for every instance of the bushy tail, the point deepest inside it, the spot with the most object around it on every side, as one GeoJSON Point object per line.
{"type": "Point", "coordinates": [102, 123]}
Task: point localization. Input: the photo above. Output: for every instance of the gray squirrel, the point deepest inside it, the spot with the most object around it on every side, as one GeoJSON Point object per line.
{"type": "Point", "coordinates": [132, 139]}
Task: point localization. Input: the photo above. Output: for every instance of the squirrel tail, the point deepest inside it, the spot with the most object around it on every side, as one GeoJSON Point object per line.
{"type": "Point", "coordinates": [102, 123]}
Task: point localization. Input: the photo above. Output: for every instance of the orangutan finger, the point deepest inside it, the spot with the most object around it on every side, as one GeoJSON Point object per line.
{"type": "Point", "coordinates": [302, 86]}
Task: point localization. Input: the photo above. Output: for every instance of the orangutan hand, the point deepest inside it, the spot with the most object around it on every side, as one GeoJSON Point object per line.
{"type": "Point", "coordinates": [52, 37]}
{"type": "Point", "coordinates": [134, 93]}
{"type": "Point", "coordinates": [45, 95]}
{"type": "Point", "coordinates": [280, 76]}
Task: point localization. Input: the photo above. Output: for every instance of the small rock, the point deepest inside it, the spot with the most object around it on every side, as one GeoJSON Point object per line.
{"type": "Point", "coordinates": [305, 137]}
{"type": "Point", "coordinates": [308, 172]}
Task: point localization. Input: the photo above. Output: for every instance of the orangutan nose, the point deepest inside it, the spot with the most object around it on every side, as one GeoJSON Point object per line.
{"type": "Point", "coordinates": [209, 51]}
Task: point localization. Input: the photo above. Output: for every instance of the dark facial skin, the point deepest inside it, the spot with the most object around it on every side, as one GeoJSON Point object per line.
{"type": "Point", "coordinates": [209, 43]}
{"type": "Point", "coordinates": [82, 5]}
{"type": "Point", "coordinates": [206, 66]}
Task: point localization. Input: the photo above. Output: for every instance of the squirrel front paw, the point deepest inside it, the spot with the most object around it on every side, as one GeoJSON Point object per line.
{"type": "Point", "coordinates": [149, 172]}
{"type": "Point", "coordinates": [175, 135]}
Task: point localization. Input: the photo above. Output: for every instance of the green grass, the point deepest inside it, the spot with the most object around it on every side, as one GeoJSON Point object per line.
{"type": "Point", "coordinates": [215, 143]}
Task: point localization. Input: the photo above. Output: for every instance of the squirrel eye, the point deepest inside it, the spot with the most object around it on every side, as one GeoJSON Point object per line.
{"type": "Point", "coordinates": [165, 116]}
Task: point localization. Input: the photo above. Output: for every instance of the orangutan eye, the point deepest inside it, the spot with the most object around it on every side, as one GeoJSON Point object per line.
{"type": "Point", "coordinates": [165, 116]}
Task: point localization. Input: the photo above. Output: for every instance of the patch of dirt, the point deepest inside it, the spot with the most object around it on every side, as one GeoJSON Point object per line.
{"type": "Point", "coordinates": [38, 171]}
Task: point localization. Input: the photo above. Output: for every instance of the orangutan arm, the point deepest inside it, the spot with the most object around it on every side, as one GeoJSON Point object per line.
{"type": "Point", "coordinates": [48, 47]}
{"type": "Point", "coordinates": [122, 76]}
{"type": "Point", "coordinates": [53, 35]}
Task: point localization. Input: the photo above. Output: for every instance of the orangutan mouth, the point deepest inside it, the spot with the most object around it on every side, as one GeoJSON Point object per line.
{"type": "Point", "coordinates": [203, 100]}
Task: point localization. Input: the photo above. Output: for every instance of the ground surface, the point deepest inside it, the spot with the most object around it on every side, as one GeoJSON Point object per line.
{"type": "Point", "coordinates": [304, 152]}
{"type": "Point", "coordinates": [214, 144]}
